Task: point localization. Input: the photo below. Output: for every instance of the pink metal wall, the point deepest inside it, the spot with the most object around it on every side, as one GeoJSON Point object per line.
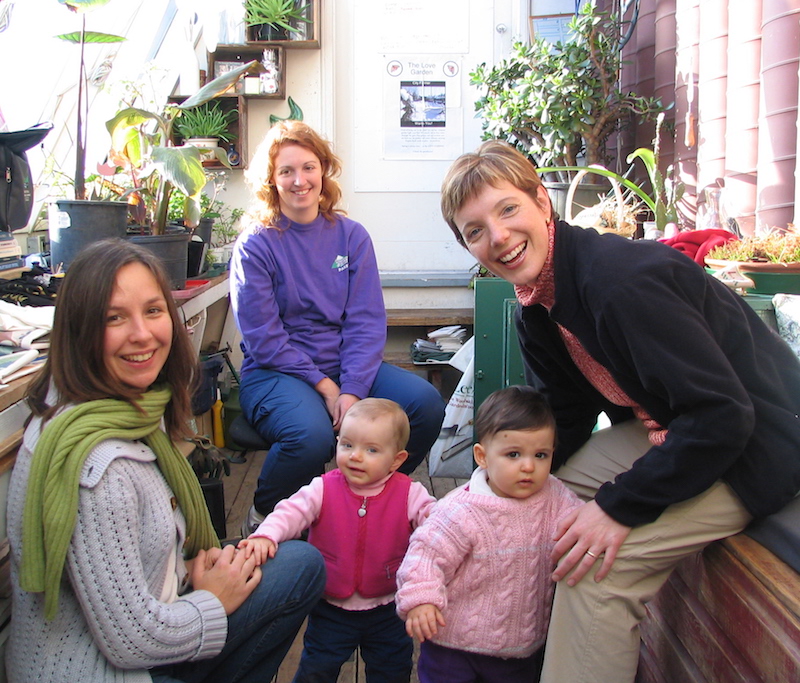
{"type": "Point", "coordinates": [729, 68]}
{"type": "Point", "coordinates": [744, 87]}
{"type": "Point", "coordinates": [777, 140]}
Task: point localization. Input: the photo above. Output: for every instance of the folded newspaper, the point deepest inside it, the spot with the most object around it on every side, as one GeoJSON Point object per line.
{"type": "Point", "coordinates": [440, 346]}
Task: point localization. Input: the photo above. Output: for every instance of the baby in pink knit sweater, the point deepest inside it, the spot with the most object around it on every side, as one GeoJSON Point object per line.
{"type": "Point", "coordinates": [475, 587]}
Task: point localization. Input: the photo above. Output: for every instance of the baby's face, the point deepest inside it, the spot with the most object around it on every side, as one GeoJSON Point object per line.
{"type": "Point", "coordinates": [517, 461]}
{"type": "Point", "coordinates": [366, 450]}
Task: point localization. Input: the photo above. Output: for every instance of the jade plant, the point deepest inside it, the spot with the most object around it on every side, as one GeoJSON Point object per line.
{"type": "Point", "coordinates": [555, 102]}
{"type": "Point", "coordinates": [665, 192]}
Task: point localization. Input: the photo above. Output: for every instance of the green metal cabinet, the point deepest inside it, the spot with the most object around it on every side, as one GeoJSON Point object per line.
{"type": "Point", "coordinates": [498, 362]}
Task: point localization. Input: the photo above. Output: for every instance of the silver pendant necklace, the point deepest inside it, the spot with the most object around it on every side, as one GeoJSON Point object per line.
{"type": "Point", "coordinates": [363, 509]}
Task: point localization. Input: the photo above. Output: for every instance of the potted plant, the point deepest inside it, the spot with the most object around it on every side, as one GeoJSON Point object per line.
{"type": "Point", "coordinates": [142, 145]}
{"type": "Point", "coordinates": [556, 102]}
{"type": "Point", "coordinates": [771, 260]}
{"type": "Point", "coordinates": [75, 222]}
{"type": "Point", "coordinates": [665, 191]}
{"type": "Point", "coordinates": [274, 19]}
{"type": "Point", "coordinates": [204, 126]}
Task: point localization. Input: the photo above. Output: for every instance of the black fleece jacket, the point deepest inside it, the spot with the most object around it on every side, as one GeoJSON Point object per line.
{"type": "Point", "coordinates": [688, 350]}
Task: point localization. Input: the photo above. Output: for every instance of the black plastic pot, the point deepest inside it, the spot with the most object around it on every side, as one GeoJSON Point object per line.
{"type": "Point", "coordinates": [268, 32]}
{"type": "Point", "coordinates": [75, 224]}
{"type": "Point", "coordinates": [172, 249]}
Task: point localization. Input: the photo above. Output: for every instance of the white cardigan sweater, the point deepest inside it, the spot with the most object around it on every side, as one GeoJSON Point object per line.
{"type": "Point", "coordinates": [111, 624]}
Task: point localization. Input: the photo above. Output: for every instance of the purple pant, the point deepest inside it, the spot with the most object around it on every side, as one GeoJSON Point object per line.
{"type": "Point", "coordinates": [439, 664]}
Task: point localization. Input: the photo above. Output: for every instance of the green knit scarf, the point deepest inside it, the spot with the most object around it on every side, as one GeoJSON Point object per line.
{"type": "Point", "coordinates": [51, 503]}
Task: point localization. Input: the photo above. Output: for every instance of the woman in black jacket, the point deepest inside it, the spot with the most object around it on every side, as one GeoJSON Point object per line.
{"type": "Point", "coordinates": [636, 330]}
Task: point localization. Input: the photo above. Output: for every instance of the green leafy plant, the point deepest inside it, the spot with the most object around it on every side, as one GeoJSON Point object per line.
{"type": "Point", "coordinates": [275, 13]}
{"type": "Point", "coordinates": [81, 38]}
{"type": "Point", "coordinates": [206, 121]}
{"type": "Point", "coordinates": [141, 144]}
{"type": "Point", "coordinates": [665, 193]}
{"type": "Point", "coordinates": [556, 101]}
{"type": "Point", "coordinates": [225, 228]}
{"type": "Point", "coordinates": [776, 246]}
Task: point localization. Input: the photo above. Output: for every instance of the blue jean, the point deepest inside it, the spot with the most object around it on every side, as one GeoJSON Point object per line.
{"type": "Point", "coordinates": [438, 664]}
{"type": "Point", "coordinates": [292, 416]}
{"type": "Point", "coordinates": [332, 635]}
{"type": "Point", "coordinates": [262, 630]}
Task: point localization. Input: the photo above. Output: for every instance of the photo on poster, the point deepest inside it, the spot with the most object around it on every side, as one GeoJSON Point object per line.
{"type": "Point", "coordinates": [423, 104]}
{"type": "Point", "coordinates": [422, 107]}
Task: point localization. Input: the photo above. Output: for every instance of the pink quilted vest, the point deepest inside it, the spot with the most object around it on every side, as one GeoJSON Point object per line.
{"type": "Point", "coordinates": [362, 553]}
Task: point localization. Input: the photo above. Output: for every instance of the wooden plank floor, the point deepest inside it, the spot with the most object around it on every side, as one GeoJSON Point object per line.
{"type": "Point", "coordinates": [239, 488]}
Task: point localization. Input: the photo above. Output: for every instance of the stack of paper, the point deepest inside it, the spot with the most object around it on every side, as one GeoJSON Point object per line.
{"type": "Point", "coordinates": [449, 338]}
{"type": "Point", "coordinates": [10, 252]}
{"type": "Point", "coordinates": [440, 345]}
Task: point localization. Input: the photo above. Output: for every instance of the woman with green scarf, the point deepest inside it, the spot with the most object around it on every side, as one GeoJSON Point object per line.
{"type": "Point", "coordinates": [117, 574]}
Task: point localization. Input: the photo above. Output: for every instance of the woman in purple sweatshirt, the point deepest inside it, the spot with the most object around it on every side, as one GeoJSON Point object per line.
{"type": "Point", "coordinates": [307, 298]}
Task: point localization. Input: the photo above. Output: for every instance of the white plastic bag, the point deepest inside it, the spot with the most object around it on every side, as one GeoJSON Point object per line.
{"type": "Point", "coordinates": [451, 454]}
{"type": "Point", "coordinates": [787, 315]}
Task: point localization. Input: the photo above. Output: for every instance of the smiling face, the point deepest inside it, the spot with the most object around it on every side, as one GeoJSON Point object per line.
{"type": "Point", "coordinates": [366, 449]}
{"type": "Point", "coordinates": [138, 333]}
{"type": "Point", "coordinates": [505, 229]}
{"type": "Point", "coordinates": [298, 179]}
{"type": "Point", "coordinates": [517, 462]}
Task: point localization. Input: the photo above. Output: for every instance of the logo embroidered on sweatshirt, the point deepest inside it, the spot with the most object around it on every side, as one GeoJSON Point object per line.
{"type": "Point", "coordinates": [340, 263]}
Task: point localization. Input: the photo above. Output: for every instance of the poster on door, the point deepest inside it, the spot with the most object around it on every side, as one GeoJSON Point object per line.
{"type": "Point", "coordinates": [422, 117]}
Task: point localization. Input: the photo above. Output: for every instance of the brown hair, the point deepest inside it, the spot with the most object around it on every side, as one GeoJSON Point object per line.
{"type": "Point", "coordinates": [514, 408]}
{"type": "Point", "coordinates": [492, 163]}
{"type": "Point", "coordinates": [262, 168]}
{"type": "Point", "coordinates": [75, 365]}
{"type": "Point", "coordinates": [377, 408]}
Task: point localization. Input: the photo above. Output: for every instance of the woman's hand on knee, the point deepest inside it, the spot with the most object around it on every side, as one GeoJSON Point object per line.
{"type": "Point", "coordinates": [343, 404]}
{"type": "Point", "coordinates": [329, 391]}
{"type": "Point", "coordinates": [231, 577]}
{"type": "Point", "coordinates": [582, 538]}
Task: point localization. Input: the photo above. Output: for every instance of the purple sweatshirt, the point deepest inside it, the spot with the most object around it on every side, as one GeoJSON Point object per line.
{"type": "Point", "coordinates": [307, 299]}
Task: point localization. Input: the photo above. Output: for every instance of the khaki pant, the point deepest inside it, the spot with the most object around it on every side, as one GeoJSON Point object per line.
{"type": "Point", "coordinates": [594, 629]}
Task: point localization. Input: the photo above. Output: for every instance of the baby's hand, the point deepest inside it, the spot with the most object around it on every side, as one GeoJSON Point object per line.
{"type": "Point", "coordinates": [261, 548]}
{"type": "Point", "coordinates": [422, 620]}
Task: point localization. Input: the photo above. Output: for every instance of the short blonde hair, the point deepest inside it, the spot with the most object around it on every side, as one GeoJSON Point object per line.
{"type": "Point", "coordinates": [262, 167]}
{"type": "Point", "coordinates": [492, 163]}
{"type": "Point", "coordinates": [379, 408]}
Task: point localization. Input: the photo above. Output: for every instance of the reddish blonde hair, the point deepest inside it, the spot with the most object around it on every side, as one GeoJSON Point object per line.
{"type": "Point", "coordinates": [267, 208]}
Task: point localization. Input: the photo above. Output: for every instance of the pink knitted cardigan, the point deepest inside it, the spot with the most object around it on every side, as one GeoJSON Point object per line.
{"type": "Point", "coordinates": [484, 561]}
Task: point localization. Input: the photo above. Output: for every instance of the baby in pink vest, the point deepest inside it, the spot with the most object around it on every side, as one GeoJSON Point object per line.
{"type": "Point", "coordinates": [360, 516]}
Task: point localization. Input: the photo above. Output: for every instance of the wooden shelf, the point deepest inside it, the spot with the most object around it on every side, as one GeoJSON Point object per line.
{"type": "Point", "coordinates": [241, 54]}
{"type": "Point", "coordinates": [237, 128]}
{"type": "Point", "coordinates": [428, 317]}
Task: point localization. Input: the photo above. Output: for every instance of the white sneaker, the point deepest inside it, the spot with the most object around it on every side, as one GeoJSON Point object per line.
{"type": "Point", "coordinates": [251, 521]}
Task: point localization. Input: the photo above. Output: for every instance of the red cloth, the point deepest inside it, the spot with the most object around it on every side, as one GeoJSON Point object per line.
{"type": "Point", "coordinates": [697, 243]}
